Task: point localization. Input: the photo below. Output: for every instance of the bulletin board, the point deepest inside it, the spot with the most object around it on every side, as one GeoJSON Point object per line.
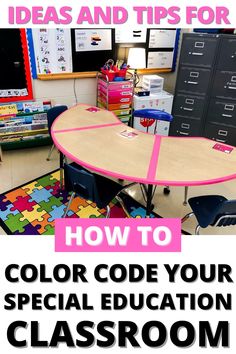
{"type": "Point", "coordinates": [15, 81]}
{"type": "Point", "coordinates": [91, 48]}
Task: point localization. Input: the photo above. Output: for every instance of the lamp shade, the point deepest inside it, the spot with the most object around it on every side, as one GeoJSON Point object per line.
{"type": "Point", "coordinates": [137, 58]}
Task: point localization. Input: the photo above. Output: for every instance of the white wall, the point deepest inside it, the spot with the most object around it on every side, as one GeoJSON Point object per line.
{"type": "Point", "coordinates": [62, 91]}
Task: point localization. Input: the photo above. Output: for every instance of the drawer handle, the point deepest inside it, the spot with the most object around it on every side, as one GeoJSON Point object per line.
{"type": "Point", "coordinates": [183, 133]}
{"type": "Point", "coordinates": [192, 82]}
{"type": "Point", "coordinates": [187, 109]}
{"type": "Point", "coordinates": [232, 87]}
{"type": "Point", "coordinates": [222, 132]}
{"type": "Point", "coordinates": [197, 54]}
{"type": "Point", "coordinates": [227, 115]}
{"type": "Point", "coordinates": [220, 140]}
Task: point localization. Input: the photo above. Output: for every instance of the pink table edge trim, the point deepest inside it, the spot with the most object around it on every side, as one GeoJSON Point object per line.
{"type": "Point", "coordinates": [137, 179]}
{"type": "Point", "coordinates": [154, 158]}
{"type": "Point", "coordinates": [87, 127]}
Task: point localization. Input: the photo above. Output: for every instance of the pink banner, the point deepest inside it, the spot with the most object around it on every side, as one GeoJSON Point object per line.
{"type": "Point", "coordinates": [118, 235]}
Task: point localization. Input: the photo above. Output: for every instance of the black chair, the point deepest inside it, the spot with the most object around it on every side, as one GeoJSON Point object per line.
{"type": "Point", "coordinates": [91, 186]}
{"type": "Point", "coordinates": [212, 210]}
{"type": "Point", "coordinates": [52, 114]}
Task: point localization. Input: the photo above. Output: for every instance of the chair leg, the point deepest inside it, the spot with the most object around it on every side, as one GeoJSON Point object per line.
{"type": "Point", "coordinates": [197, 230]}
{"type": "Point", "coordinates": [185, 195]}
{"type": "Point", "coordinates": [69, 204]}
{"type": "Point", "coordinates": [186, 217]}
{"type": "Point", "coordinates": [108, 211]}
{"type": "Point", "coordinates": [50, 152]}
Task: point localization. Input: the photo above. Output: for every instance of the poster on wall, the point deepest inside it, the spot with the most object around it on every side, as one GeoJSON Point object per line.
{"type": "Point", "coordinates": [162, 38]}
{"type": "Point", "coordinates": [93, 40]}
{"type": "Point", "coordinates": [160, 60]}
{"type": "Point", "coordinates": [131, 36]}
{"type": "Point", "coordinates": [52, 50]}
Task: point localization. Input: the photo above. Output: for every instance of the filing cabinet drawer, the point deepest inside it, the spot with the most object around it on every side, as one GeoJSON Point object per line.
{"type": "Point", "coordinates": [227, 58]}
{"type": "Point", "coordinates": [222, 111]}
{"type": "Point", "coordinates": [224, 84]}
{"type": "Point", "coordinates": [185, 127]}
{"type": "Point", "coordinates": [198, 50]}
{"type": "Point", "coordinates": [221, 133]}
{"type": "Point", "coordinates": [193, 80]}
{"type": "Point", "coordinates": [188, 106]}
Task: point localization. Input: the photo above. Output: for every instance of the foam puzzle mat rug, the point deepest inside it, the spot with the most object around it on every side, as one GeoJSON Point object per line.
{"type": "Point", "coordinates": [32, 208]}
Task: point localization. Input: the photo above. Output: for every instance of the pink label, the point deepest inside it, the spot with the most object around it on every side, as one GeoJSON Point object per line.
{"type": "Point", "coordinates": [118, 235]}
{"type": "Point", "coordinates": [93, 109]}
{"type": "Point", "coordinates": [223, 148]}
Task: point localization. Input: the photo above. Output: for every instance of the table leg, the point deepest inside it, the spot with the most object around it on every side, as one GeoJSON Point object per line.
{"type": "Point", "coordinates": [185, 196]}
{"type": "Point", "coordinates": [0, 153]}
{"type": "Point", "coordinates": [61, 169]}
{"type": "Point", "coordinates": [149, 200]}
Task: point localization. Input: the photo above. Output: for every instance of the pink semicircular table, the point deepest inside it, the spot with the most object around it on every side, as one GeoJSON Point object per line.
{"type": "Point", "coordinates": [98, 140]}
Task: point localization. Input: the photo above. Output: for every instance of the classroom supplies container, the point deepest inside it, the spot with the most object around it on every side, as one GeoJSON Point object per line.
{"type": "Point", "coordinates": [116, 96]}
{"type": "Point", "coordinates": [153, 83]}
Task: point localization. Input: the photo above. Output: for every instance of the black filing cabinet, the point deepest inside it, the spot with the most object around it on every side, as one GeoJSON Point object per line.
{"type": "Point", "coordinates": [221, 113]}
{"type": "Point", "coordinates": [205, 92]}
{"type": "Point", "coordinates": [194, 79]}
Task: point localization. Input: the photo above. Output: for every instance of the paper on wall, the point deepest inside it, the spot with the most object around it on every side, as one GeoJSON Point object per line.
{"type": "Point", "coordinates": [160, 60]}
{"type": "Point", "coordinates": [93, 39]}
{"type": "Point", "coordinates": [52, 50]}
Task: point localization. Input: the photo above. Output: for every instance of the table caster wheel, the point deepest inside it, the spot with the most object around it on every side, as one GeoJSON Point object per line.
{"type": "Point", "coordinates": [166, 191]}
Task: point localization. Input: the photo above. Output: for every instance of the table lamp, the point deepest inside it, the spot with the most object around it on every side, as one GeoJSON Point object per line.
{"type": "Point", "coordinates": [136, 60]}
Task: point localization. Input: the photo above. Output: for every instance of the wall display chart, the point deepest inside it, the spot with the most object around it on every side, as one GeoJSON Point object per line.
{"type": "Point", "coordinates": [162, 48]}
{"type": "Point", "coordinates": [131, 36]}
{"type": "Point", "coordinates": [52, 50]}
{"type": "Point", "coordinates": [92, 40]}
{"type": "Point", "coordinates": [91, 48]}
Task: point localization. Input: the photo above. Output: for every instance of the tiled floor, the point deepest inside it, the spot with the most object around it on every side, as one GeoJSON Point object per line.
{"type": "Point", "coordinates": [21, 166]}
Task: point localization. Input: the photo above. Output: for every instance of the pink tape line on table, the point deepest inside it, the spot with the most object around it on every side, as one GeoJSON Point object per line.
{"type": "Point", "coordinates": [154, 158]}
{"type": "Point", "coordinates": [87, 127]}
